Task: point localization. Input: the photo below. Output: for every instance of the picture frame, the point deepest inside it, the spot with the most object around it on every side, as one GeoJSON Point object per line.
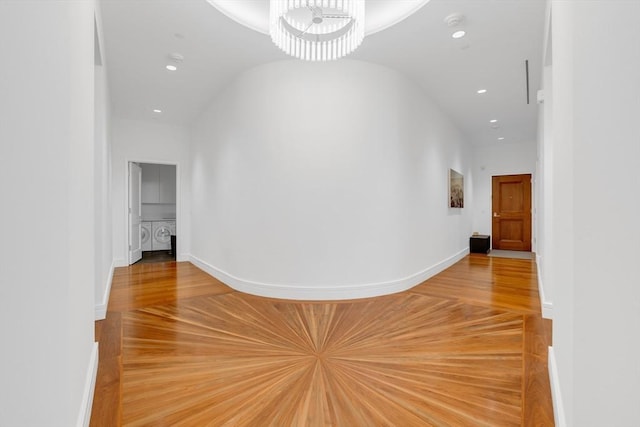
{"type": "Point", "coordinates": [456, 189]}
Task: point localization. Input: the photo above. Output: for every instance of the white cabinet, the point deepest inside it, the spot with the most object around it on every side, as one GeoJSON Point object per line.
{"type": "Point", "coordinates": [167, 179]}
{"type": "Point", "coordinates": [158, 183]}
{"type": "Point", "coordinates": [150, 183]}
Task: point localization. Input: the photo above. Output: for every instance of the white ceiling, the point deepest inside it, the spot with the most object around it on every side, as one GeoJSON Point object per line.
{"type": "Point", "coordinates": [379, 14]}
{"type": "Point", "coordinates": [501, 34]}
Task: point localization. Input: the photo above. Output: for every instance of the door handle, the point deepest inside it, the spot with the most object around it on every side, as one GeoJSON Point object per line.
{"type": "Point", "coordinates": [495, 215]}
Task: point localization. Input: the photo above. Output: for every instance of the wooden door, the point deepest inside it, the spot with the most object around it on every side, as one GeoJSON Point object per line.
{"type": "Point", "coordinates": [135, 213]}
{"type": "Point", "coordinates": [511, 204]}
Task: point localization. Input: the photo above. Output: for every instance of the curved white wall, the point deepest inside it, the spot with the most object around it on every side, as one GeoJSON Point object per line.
{"type": "Point", "coordinates": [325, 180]}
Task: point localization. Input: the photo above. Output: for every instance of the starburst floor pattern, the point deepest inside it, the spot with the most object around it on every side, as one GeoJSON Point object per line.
{"type": "Point", "coordinates": [239, 360]}
{"type": "Point", "coordinates": [465, 348]}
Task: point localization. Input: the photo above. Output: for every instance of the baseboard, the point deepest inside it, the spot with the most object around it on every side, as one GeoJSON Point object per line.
{"type": "Point", "coordinates": [101, 308]}
{"type": "Point", "coordinates": [328, 292]}
{"type": "Point", "coordinates": [120, 263]}
{"type": "Point", "coordinates": [84, 415]}
{"type": "Point", "coordinates": [556, 396]}
{"type": "Point", "coordinates": [545, 305]}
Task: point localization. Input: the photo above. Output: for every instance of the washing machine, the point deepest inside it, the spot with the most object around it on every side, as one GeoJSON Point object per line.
{"type": "Point", "coordinates": [161, 234]}
{"type": "Point", "coordinates": [146, 236]}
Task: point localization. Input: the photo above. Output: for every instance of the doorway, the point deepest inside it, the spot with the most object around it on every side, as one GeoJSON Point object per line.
{"type": "Point", "coordinates": [511, 207]}
{"type": "Point", "coordinates": [152, 203]}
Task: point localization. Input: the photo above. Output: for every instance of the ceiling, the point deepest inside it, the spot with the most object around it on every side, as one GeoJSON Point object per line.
{"type": "Point", "coordinates": [139, 36]}
{"type": "Point", "coordinates": [379, 14]}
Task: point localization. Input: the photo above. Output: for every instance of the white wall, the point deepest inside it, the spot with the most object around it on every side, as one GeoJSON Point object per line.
{"type": "Point", "coordinates": [595, 234]}
{"type": "Point", "coordinates": [46, 159]}
{"type": "Point", "coordinates": [102, 182]}
{"type": "Point", "coordinates": [544, 178]}
{"type": "Point", "coordinates": [148, 142]}
{"type": "Point", "coordinates": [155, 211]}
{"type": "Point", "coordinates": [325, 180]}
{"type": "Point", "coordinates": [493, 160]}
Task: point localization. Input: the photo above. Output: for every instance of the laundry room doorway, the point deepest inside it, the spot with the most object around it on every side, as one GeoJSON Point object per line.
{"type": "Point", "coordinates": [152, 212]}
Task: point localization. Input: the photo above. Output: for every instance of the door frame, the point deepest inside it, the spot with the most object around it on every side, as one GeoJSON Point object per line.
{"type": "Point", "coordinates": [179, 225]}
{"type": "Point", "coordinates": [130, 216]}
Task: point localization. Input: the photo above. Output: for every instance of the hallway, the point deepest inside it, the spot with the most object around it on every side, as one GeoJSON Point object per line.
{"type": "Point", "coordinates": [467, 347]}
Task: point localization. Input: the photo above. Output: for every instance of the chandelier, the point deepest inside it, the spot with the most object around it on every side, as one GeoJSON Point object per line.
{"type": "Point", "coordinates": [317, 30]}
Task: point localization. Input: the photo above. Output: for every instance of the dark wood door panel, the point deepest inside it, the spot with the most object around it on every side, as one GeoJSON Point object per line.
{"type": "Point", "coordinates": [511, 234]}
{"type": "Point", "coordinates": [511, 197]}
{"type": "Point", "coordinates": [511, 229]}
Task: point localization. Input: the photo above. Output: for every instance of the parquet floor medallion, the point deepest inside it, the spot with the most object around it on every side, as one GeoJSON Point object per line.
{"type": "Point", "coordinates": [401, 360]}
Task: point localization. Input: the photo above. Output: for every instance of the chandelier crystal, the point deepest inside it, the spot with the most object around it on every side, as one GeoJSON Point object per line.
{"type": "Point", "coordinates": [317, 30]}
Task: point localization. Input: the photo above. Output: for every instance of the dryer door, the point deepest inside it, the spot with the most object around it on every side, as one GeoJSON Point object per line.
{"type": "Point", "coordinates": [163, 234]}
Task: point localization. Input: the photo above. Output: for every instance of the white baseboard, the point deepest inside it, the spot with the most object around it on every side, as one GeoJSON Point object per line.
{"type": "Point", "coordinates": [84, 415]}
{"type": "Point", "coordinates": [120, 263]}
{"type": "Point", "coordinates": [327, 292]}
{"type": "Point", "coordinates": [101, 308]}
{"type": "Point", "coordinates": [545, 305]}
{"type": "Point", "coordinates": [556, 396]}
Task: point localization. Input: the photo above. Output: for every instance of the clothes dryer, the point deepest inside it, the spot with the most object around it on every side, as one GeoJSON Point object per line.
{"type": "Point", "coordinates": [161, 235]}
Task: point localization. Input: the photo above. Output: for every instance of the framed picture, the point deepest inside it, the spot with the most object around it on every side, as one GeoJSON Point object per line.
{"type": "Point", "coordinates": [456, 189]}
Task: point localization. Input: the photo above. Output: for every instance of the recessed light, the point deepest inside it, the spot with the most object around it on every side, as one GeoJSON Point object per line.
{"type": "Point", "coordinates": [157, 111]}
{"type": "Point", "coordinates": [501, 138]}
{"type": "Point", "coordinates": [481, 91]}
{"type": "Point", "coordinates": [458, 34]}
{"type": "Point", "coordinates": [171, 67]}
{"type": "Point", "coordinates": [493, 121]}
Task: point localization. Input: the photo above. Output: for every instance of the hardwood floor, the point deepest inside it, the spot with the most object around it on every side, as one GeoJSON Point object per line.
{"type": "Point", "coordinates": [465, 348]}
{"type": "Point", "coordinates": [156, 256]}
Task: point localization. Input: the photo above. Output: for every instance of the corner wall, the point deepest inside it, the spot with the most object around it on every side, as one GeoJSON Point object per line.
{"type": "Point", "coordinates": [102, 183]}
{"type": "Point", "coordinates": [544, 178]}
{"type": "Point", "coordinates": [326, 180]}
{"type": "Point", "coordinates": [595, 204]}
